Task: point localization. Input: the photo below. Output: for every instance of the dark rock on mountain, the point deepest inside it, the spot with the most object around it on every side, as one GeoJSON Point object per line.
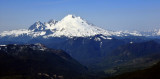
{"type": "Point", "coordinates": [35, 61]}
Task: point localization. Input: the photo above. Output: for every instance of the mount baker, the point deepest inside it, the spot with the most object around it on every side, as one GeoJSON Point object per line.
{"type": "Point", "coordinates": [70, 26]}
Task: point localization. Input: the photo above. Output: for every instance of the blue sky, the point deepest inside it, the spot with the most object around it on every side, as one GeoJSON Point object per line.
{"type": "Point", "coordinates": [108, 14]}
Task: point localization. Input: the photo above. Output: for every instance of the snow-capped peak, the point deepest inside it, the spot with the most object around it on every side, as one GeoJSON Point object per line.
{"type": "Point", "coordinates": [73, 26]}
{"type": "Point", "coordinates": [37, 26]}
{"type": "Point", "coordinates": [69, 16]}
{"type": "Point", "coordinates": [69, 26]}
{"type": "Point", "coordinates": [156, 32]}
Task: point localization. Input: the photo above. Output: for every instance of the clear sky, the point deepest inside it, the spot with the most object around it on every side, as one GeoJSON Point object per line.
{"type": "Point", "coordinates": [108, 14]}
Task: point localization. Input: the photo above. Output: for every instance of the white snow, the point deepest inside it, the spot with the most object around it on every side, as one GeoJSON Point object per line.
{"type": "Point", "coordinates": [15, 33]}
{"type": "Point", "coordinates": [131, 42]}
{"type": "Point", "coordinates": [3, 45]}
{"type": "Point", "coordinates": [109, 38]}
{"type": "Point", "coordinates": [97, 39]}
{"type": "Point", "coordinates": [72, 26]}
{"type": "Point", "coordinates": [101, 44]}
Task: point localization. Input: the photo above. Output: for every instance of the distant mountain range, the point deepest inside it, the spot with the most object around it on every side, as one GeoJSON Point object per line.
{"type": "Point", "coordinates": [70, 26]}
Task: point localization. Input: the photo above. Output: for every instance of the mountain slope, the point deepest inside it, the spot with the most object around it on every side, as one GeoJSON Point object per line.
{"type": "Point", "coordinates": [149, 73]}
{"type": "Point", "coordinates": [36, 60]}
{"type": "Point", "coordinates": [88, 50]}
{"type": "Point", "coordinates": [131, 57]}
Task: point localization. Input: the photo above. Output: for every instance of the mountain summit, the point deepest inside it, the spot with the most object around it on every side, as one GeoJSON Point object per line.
{"type": "Point", "coordinates": [37, 26]}
{"type": "Point", "coordinates": [69, 26]}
